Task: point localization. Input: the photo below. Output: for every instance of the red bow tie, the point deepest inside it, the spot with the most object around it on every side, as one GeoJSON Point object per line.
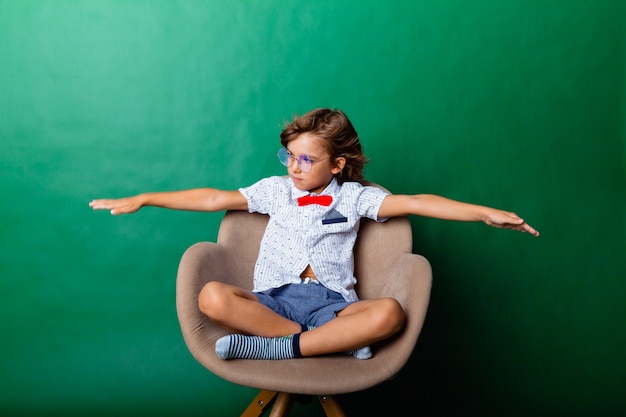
{"type": "Point", "coordinates": [323, 200]}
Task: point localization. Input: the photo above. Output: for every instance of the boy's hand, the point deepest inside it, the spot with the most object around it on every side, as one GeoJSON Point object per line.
{"type": "Point", "coordinates": [509, 220]}
{"type": "Point", "coordinates": [117, 206]}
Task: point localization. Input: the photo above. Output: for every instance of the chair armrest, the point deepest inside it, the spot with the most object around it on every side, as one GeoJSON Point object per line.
{"type": "Point", "coordinates": [409, 281]}
{"type": "Point", "coordinates": [201, 263]}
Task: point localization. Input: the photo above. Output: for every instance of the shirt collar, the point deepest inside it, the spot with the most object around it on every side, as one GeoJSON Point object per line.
{"type": "Point", "coordinates": [331, 189]}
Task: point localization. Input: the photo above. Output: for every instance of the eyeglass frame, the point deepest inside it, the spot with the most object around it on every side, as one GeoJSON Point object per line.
{"type": "Point", "coordinates": [305, 163]}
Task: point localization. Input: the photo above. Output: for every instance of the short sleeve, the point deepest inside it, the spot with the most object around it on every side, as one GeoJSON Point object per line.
{"type": "Point", "coordinates": [369, 202]}
{"type": "Point", "coordinates": [262, 195]}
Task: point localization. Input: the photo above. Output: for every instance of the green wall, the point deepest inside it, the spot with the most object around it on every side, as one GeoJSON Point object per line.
{"type": "Point", "coordinates": [516, 104]}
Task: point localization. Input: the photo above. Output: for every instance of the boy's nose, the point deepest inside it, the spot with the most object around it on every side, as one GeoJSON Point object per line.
{"type": "Point", "coordinates": [294, 161]}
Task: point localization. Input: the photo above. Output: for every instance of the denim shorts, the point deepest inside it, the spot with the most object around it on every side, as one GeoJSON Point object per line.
{"type": "Point", "coordinates": [307, 304]}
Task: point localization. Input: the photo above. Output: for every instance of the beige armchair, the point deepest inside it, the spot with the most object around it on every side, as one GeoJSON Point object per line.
{"type": "Point", "coordinates": [384, 266]}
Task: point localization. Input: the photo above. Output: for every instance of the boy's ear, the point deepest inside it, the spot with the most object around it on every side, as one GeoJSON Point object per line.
{"type": "Point", "coordinates": [340, 163]}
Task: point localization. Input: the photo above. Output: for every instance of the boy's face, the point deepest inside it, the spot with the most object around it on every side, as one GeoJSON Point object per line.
{"type": "Point", "coordinates": [322, 169]}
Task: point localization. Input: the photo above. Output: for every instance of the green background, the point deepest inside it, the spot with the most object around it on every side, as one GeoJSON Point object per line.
{"type": "Point", "coordinates": [514, 104]}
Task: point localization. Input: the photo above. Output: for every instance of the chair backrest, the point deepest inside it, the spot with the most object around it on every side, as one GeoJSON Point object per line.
{"type": "Point", "coordinates": [384, 267]}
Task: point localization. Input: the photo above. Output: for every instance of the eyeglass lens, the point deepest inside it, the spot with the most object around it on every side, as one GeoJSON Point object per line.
{"type": "Point", "coordinates": [303, 160]}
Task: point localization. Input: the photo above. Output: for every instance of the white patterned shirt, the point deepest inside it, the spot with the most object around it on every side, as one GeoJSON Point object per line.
{"type": "Point", "coordinates": [322, 236]}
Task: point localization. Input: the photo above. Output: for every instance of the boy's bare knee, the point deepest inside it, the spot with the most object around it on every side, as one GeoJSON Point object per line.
{"type": "Point", "coordinates": [390, 317]}
{"type": "Point", "coordinates": [212, 298]}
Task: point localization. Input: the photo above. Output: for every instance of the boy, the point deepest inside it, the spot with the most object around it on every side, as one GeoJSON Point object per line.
{"type": "Point", "coordinates": [303, 302]}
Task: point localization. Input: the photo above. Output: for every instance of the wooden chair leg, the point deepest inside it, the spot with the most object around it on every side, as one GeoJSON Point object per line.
{"type": "Point", "coordinates": [261, 402]}
{"type": "Point", "coordinates": [331, 406]}
{"type": "Point", "coordinates": [282, 405]}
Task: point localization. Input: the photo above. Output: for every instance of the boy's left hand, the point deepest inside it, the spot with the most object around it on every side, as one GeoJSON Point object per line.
{"type": "Point", "coordinates": [509, 220]}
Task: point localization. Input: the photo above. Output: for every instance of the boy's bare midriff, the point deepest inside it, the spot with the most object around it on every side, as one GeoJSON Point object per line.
{"type": "Point", "coordinates": [308, 273]}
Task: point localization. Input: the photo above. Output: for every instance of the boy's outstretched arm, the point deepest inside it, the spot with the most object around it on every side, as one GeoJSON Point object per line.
{"type": "Point", "coordinates": [199, 199]}
{"type": "Point", "coordinates": [429, 205]}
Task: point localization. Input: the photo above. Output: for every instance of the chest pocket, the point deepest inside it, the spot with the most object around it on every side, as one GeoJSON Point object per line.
{"type": "Point", "coordinates": [333, 217]}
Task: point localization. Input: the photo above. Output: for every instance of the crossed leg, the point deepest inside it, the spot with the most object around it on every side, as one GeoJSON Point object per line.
{"type": "Point", "coordinates": [358, 325]}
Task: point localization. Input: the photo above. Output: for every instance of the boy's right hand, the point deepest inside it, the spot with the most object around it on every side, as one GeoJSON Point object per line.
{"type": "Point", "coordinates": [118, 206]}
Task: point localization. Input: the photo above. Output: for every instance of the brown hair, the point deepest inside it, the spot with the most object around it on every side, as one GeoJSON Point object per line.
{"type": "Point", "coordinates": [338, 136]}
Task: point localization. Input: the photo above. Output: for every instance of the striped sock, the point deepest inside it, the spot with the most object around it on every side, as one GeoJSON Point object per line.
{"type": "Point", "coordinates": [238, 346]}
{"type": "Point", "coordinates": [362, 353]}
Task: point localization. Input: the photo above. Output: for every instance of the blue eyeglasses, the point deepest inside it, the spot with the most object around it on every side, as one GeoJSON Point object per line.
{"type": "Point", "coordinates": [304, 161]}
